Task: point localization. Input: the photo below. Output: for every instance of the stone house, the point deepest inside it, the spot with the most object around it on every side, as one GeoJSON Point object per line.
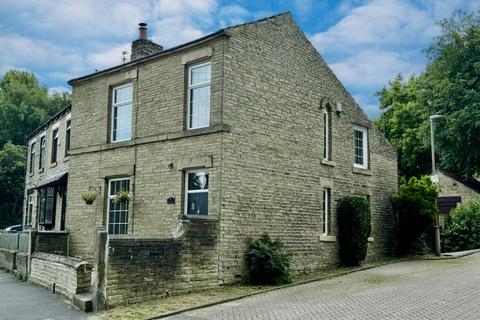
{"type": "Point", "coordinates": [453, 191]}
{"type": "Point", "coordinates": [243, 131]}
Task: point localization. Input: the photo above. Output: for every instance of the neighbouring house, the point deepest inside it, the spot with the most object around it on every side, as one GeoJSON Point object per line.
{"type": "Point", "coordinates": [453, 191]}
{"type": "Point", "coordinates": [243, 131]}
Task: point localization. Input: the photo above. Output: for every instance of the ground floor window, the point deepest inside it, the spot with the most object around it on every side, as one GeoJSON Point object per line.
{"type": "Point", "coordinates": [117, 211]}
{"type": "Point", "coordinates": [46, 206]}
{"type": "Point", "coordinates": [326, 212]}
{"type": "Point", "coordinates": [196, 192]}
{"type": "Point", "coordinates": [28, 220]}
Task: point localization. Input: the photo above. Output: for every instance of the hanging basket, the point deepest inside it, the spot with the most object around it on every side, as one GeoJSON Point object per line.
{"type": "Point", "coordinates": [121, 197]}
{"type": "Point", "coordinates": [89, 197]}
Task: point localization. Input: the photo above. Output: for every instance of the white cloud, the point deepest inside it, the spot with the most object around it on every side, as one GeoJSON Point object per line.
{"type": "Point", "coordinates": [54, 90]}
{"type": "Point", "coordinates": [108, 57]}
{"type": "Point", "coordinates": [232, 15]}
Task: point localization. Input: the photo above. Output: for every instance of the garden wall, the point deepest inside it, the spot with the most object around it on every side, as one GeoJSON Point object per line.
{"type": "Point", "coordinates": [138, 269]}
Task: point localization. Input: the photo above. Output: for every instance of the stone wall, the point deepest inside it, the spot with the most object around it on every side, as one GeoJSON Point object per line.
{"type": "Point", "coordinates": [272, 171]}
{"type": "Point", "coordinates": [50, 169]}
{"type": "Point", "coordinates": [70, 275]}
{"type": "Point", "coordinates": [139, 269]}
{"type": "Point", "coordinates": [8, 259]}
{"type": "Point", "coordinates": [55, 242]}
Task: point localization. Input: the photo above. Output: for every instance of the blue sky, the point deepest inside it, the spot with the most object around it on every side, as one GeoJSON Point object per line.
{"type": "Point", "coordinates": [366, 43]}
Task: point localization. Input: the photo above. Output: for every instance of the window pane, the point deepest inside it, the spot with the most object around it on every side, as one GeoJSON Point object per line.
{"type": "Point", "coordinates": [123, 94]}
{"type": "Point", "coordinates": [200, 74]}
{"type": "Point", "coordinates": [197, 203]}
{"type": "Point", "coordinates": [200, 107]}
{"type": "Point", "coordinates": [122, 122]}
{"type": "Point", "coordinates": [198, 180]}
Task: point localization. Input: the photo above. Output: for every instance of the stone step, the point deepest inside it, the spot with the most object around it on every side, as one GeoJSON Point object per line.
{"type": "Point", "coordinates": [83, 301]}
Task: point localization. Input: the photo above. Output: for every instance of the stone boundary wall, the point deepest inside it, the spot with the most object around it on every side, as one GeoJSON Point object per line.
{"type": "Point", "coordinates": [138, 269]}
{"type": "Point", "coordinates": [12, 245]}
{"type": "Point", "coordinates": [54, 242]}
{"type": "Point", "coordinates": [70, 275]}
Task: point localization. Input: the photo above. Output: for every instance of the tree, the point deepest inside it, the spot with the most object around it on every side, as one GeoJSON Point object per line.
{"type": "Point", "coordinates": [24, 106]}
{"type": "Point", "coordinates": [449, 86]}
{"type": "Point", "coordinates": [452, 88]}
{"type": "Point", "coordinates": [404, 122]}
{"type": "Point", "coordinates": [12, 172]}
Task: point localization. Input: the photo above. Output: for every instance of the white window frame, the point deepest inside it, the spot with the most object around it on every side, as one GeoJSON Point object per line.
{"type": "Point", "coordinates": [121, 104]}
{"type": "Point", "coordinates": [197, 86]}
{"type": "Point", "coordinates": [326, 196]}
{"type": "Point", "coordinates": [32, 155]}
{"type": "Point", "coordinates": [110, 197]}
{"type": "Point", "coordinates": [28, 221]}
{"type": "Point", "coordinates": [364, 148]}
{"type": "Point", "coordinates": [187, 192]}
{"type": "Point", "coordinates": [326, 134]}
{"type": "Point", "coordinates": [42, 154]}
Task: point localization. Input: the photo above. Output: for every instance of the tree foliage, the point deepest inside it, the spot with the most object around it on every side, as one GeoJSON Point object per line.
{"type": "Point", "coordinates": [24, 106]}
{"type": "Point", "coordinates": [353, 229]}
{"type": "Point", "coordinates": [415, 207]}
{"type": "Point", "coordinates": [449, 86]}
{"type": "Point", "coordinates": [461, 231]}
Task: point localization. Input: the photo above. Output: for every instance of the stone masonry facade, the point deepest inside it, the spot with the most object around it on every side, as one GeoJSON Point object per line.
{"type": "Point", "coordinates": [263, 148]}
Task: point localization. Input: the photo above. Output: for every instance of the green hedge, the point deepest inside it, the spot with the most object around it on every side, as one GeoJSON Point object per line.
{"type": "Point", "coordinates": [267, 261]}
{"type": "Point", "coordinates": [353, 229]}
{"type": "Point", "coordinates": [462, 230]}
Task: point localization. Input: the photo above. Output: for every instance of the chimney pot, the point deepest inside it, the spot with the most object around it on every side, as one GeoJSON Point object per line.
{"type": "Point", "coordinates": [142, 28]}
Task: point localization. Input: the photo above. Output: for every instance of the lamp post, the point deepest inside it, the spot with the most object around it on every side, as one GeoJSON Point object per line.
{"type": "Point", "coordinates": [434, 170]}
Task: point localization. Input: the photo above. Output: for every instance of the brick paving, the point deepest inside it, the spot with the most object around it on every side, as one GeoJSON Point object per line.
{"type": "Point", "coordinates": [433, 289]}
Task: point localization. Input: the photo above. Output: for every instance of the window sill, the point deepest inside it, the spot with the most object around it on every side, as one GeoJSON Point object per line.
{"type": "Point", "coordinates": [199, 217]}
{"type": "Point", "coordinates": [328, 162]}
{"type": "Point", "coordinates": [371, 239]}
{"type": "Point", "coordinates": [53, 165]}
{"type": "Point", "coordinates": [364, 171]}
{"type": "Point", "coordinates": [31, 175]}
{"type": "Point", "coordinates": [324, 238]}
{"type": "Point", "coordinates": [41, 170]}
{"type": "Point", "coordinates": [66, 159]}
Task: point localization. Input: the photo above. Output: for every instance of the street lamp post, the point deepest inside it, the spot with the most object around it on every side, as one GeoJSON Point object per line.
{"type": "Point", "coordinates": [432, 141]}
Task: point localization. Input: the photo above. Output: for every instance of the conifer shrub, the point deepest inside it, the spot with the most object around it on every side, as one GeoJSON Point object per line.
{"type": "Point", "coordinates": [353, 218]}
{"type": "Point", "coordinates": [415, 207]}
{"type": "Point", "coordinates": [267, 261]}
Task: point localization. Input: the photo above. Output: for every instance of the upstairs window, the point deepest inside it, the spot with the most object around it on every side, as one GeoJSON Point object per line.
{"type": "Point", "coordinates": [199, 96]}
{"type": "Point", "coordinates": [360, 139]}
{"type": "Point", "coordinates": [54, 146]}
{"type": "Point", "coordinates": [122, 105]}
{"type": "Point", "coordinates": [32, 158]}
{"type": "Point", "coordinates": [28, 218]}
{"type": "Point", "coordinates": [67, 139]}
{"type": "Point", "coordinates": [41, 161]}
{"type": "Point", "coordinates": [326, 134]}
{"type": "Point", "coordinates": [196, 192]}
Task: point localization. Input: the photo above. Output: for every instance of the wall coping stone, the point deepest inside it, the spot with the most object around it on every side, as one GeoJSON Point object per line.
{"type": "Point", "coordinates": [72, 262]}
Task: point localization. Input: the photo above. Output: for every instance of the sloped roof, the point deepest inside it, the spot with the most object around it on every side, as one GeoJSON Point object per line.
{"type": "Point", "coordinates": [216, 34]}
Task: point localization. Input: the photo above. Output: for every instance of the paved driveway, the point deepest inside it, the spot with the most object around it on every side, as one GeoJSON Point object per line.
{"type": "Point", "coordinates": [23, 301]}
{"type": "Point", "coordinates": [445, 289]}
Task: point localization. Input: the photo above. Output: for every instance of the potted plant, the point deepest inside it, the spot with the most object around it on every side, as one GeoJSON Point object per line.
{"type": "Point", "coordinates": [121, 196]}
{"type": "Point", "coordinates": [88, 197]}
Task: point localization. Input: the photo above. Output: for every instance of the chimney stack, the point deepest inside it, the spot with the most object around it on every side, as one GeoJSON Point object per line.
{"type": "Point", "coordinates": [142, 47]}
{"type": "Point", "coordinates": [142, 28]}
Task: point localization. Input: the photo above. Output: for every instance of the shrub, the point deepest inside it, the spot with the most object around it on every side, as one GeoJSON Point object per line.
{"type": "Point", "coordinates": [462, 230]}
{"type": "Point", "coordinates": [415, 207]}
{"type": "Point", "coordinates": [353, 229]}
{"type": "Point", "coordinates": [267, 262]}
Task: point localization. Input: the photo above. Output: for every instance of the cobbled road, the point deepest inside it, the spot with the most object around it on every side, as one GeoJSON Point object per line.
{"type": "Point", "coordinates": [427, 289]}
